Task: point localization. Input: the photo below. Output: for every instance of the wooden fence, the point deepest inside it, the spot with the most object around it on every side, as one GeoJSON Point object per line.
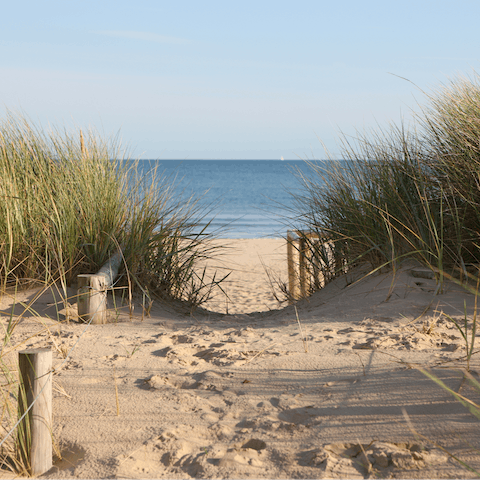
{"type": "Point", "coordinates": [311, 263]}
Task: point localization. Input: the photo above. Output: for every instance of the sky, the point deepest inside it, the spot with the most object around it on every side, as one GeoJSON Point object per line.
{"type": "Point", "coordinates": [231, 79]}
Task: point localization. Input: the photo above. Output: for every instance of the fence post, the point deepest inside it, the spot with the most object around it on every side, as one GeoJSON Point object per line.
{"type": "Point", "coordinates": [92, 298]}
{"type": "Point", "coordinates": [92, 291]}
{"type": "Point", "coordinates": [301, 279]}
{"type": "Point", "coordinates": [292, 284]}
{"type": "Point", "coordinates": [34, 441]}
{"type": "Point", "coordinates": [302, 264]}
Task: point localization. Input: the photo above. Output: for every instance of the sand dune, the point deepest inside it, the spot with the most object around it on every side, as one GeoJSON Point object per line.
{"type": "Point", "coordinates": [256, 395]}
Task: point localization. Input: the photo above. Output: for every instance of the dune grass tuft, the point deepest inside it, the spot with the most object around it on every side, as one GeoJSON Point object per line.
{"type": "Point", "coordinates": [403, 193]}
{"type": "Point", "coordinates": [68, 201]}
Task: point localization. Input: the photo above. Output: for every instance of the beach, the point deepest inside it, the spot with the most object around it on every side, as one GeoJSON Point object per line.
{"type": "Point", "coordinates": [328, 388]}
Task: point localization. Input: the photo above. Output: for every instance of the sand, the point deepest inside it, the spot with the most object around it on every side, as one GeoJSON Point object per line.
{"type": "Point", "coordinates": [260, 395]}
{"type": "Point", "coordinates": [255, 267]}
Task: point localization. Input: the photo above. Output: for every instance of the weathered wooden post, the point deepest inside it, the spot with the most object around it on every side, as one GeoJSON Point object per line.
{"type": "Point", "coordinates": [292, 284]}
{"type": "Point", "coordinates": [316, 261]}
{"type": "Point", "coordinates": [92, 298]}
{"type": "Point", "coordinates": [92, 291]}
{"type": "Point", "coordinates": [307, 247]}
{"type": "Point", "coordinates": [302, 264]}
{"type": "Point", "coordinates": [34, 440]}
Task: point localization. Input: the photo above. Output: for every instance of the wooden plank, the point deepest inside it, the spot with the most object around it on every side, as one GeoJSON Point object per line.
{"type": "Point", "coordinates": [34, 441]}
{"type": "Point", "coordinates": [111, 268]}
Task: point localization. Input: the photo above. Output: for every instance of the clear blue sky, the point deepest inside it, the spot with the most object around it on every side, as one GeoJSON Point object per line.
{"type": "Point", "coordinates": [230, 79]}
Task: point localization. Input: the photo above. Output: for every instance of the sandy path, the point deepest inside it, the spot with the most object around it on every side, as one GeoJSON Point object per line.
{"type": "Point", "coordinates": [248, 287]}
{"type": "Point", "coordinates": [256, 396]}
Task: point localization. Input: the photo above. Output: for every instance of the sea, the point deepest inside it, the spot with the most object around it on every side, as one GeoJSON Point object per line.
{"type": "Point", "coordinates": [248, 198]}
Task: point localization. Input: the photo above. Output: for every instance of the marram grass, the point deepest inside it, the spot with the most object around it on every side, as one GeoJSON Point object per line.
{"type": "Point", "coordinates": [404, 193]}
{"type": "Point", "coordinates": [67, 201]}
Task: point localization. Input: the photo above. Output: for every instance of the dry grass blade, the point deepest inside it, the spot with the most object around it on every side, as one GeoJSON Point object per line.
{"type": "Point", "coordinates": [259, 353]}
{"type": "Point", "coordinates": [304, 336]}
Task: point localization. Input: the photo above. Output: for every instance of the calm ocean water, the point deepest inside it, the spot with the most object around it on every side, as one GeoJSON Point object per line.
{"type": "Point", "coordinates": [248, 193]}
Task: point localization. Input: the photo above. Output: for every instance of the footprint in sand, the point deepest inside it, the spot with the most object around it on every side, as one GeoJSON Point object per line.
{"type": "Point", "coordinates": [220, 354]}
{"type": "Point", "coordinates": [250, 455]}
{"type": "Point", "coordinates": [372, 334]}
{"type": "Point", "coordinates": [168, 453]}
{"type": "Point", "coordinates": [211, 381]}
{"type": "Point", "coordinates": [378, 459]}
{"type": "Point", "coordinates": [189, 451]}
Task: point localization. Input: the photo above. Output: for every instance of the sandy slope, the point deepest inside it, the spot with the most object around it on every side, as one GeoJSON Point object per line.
{"type": "Point", "coordinates": [258, 396]}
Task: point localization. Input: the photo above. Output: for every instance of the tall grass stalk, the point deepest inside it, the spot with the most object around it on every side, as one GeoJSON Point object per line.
{"type": "Point", "coordinates": [469, 343]}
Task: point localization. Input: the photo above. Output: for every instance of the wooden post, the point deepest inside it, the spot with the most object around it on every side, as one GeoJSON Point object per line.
{"type": "Point", "coordinates": [92, 298]}
{"type": "Point", "coordinates": [92, 291]}
{"type": "Point", "coordinates": [302, 264]}
{"type": "Point", "coordinates": [316, 261]}
{"type": "Point", "coordinates": [34, 441]}
{"type": "Point", "coordinates": [308, 251]}
{"type": "Point", "coordinates": [292, 284]}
